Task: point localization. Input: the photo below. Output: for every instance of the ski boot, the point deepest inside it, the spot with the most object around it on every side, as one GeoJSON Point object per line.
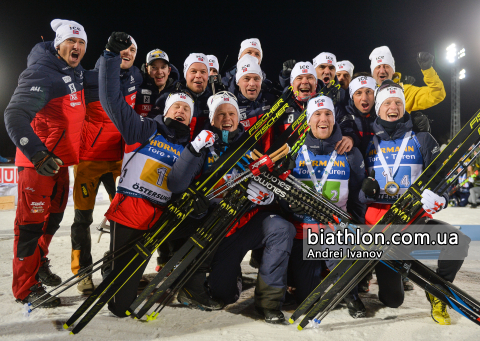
{"type": "Point", "coordinates": [195, 294]}
{"type": "Point", "coordinates": [355, 306]}
{"type": "Point", "coordinates": [47, 300]}
{"type": "Point", "coordinates": [272, 316]}
{"type": "Point", "coordinates": [46, 276]}
{"type": "Point", "coordinates": [439, 310]}
{"type": "Point", "coordinates": [407, 285]}
{"type": "Point", "coordinates": [85, 286]}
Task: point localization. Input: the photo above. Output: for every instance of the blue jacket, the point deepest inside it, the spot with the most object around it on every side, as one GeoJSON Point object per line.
{"type": "Point", "coordinates": [47, 108]}
{"type": "Point", "coordinates": [148, 93]}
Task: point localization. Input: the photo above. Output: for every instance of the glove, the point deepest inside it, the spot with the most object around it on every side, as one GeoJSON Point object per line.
{"type": "Point", "coordinates": [432, 202]}
{"type": "Point", "coordinates": [425, 60]}
{"type": "Point", "coordinates": [420, 121]}
{"type": "Point", "coordinates": [407, 79]}
{"type": "Point", "coordinates": [200, 204]}
{"type": "Point", "coordinates": [46, 163]}
{"type": "Point", "coordinates": [205, 139]}
{"type": "Point", "coordinates": [370, 186]}
{"type": "Point", "coordinates": [287, 68]}
{"type": "Point", "coordinates": [118, 41]}
{"type": "Point", "coordinates": [258, 194]}
{"type": "Point", "coordinates": [296, 208]}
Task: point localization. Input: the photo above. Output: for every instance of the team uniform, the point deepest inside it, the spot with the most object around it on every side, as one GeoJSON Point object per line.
{"type": "Point", "coordinates": [101, 153]}
{"type": "Point", "coordinates": [46, 112]}
{"type": "Point", "coordinates": [142, 194]}
{"type": "Point", "coordinates": [342, 187]}
{"type": "Point", "coordinates": [419, 149]}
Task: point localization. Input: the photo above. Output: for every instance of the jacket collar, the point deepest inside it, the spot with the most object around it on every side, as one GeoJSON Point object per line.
{"type": "Point", "coordinates": [399, 132]}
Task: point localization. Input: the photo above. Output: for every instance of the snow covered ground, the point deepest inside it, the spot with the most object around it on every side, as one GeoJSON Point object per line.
{"type": "Point", "coordinates": [237, 322]}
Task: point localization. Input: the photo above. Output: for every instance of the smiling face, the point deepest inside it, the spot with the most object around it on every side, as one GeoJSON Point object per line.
{"type": "Point", "coordinates": [250, 86]}
{"type": "Point", "coordinates": [159, 71]}
{"type": "Point", "coordinates": [72, 51]}
{"type": "Point", "coordinates": [325, 72]}
{"type": "Point", "coordinates": [321, 123]}
{"type": "Point", "coordinates": [382, 72]}
{"type": "Point", "coordinates": [364, 99]}
{"type": "Point", "coordinates": [392, 109]}
{"type": "Point", "coordinates": [344, 79]}
{"type": "Point", "coordinates": [197, 77]}
{"type": "Point", "coordinates": [304, 86]}
{"type": "Point", "coordinates": [179, 111]}
{"type": "Point", "coordinates": [128, 57]}
{"type": "Point", "coordinates": [226, 117]}
{"type": "Point", "coordinates": [252, 52]}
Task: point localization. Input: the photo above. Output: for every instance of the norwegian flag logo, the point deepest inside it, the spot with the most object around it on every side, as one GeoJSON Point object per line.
{"type": "Point", "coordinates": [254, 44]}
{"type": "Point", "coordinates": [393, 92]}
{"type": "Point", "coordinates": [379, 61]}
{"type": "Point", "coordinates": [320, 104]}
{"type": "Point", "coordinates": [304, 70]}
{"type": "Point", "coordinates": [211, 64]}
{"type": "Point", "coordinates": [76, 32]}
{"type": "Point", "coordinates": [226, 99]}
{"type": "Point", "coordinates": [329, 61]}
{"type": "Point", "coordinates": [183, 97]}
{"type": "Point", "coordinates": [244, 69]}
{"type": "Point", "coordinates": [364, 82]}
{"type": "Point", "coordinates": [200, 59]}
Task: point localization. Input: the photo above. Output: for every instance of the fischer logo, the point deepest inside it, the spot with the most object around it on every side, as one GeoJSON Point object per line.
{"type": "Point", "coordinates": [67, 79]}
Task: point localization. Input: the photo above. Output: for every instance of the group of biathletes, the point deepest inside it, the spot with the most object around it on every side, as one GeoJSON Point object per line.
{"type": "Point", "coordinates": [169, 129]}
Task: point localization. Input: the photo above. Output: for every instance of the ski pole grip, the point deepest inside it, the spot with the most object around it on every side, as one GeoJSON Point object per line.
{"type": "Point", "coordinates": [265, 163]}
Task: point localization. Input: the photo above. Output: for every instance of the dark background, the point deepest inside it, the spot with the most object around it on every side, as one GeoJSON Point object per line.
{"type": "Point", "coordinates": [286, 29]}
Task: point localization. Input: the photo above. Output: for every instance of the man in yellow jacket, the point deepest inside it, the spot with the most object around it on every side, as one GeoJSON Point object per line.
{"type": "Point", "coordinates": [416, 98]}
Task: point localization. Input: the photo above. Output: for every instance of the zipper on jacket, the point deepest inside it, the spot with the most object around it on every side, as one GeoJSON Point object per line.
{"type": "Point", "coordinates": [96, 137]}
{"type": "Point", "coordinates": [61, 137]}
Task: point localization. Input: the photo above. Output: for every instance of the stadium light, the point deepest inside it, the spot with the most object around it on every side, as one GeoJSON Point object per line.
{"type": "Point", "coordinates": [452, 53]}
{"type": "Point", "coordinates": [461, 74]}
{"type": "Point", "coordinates": [461, 53]}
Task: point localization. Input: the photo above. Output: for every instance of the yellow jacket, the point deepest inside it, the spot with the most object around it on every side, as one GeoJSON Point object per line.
{"type": "Point", "coordinates": [421, 98]}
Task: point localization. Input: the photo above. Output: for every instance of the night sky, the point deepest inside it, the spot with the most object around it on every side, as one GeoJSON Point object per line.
{"type": "Point", "coordinates": [287, 29]}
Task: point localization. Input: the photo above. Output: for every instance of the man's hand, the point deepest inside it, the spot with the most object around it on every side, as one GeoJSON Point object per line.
{"type": "Point", "coordinates": [432, 202]}
{"type": "Point", "coordinates": [46, 163]}
{"type": "Point", "coordinates": [420, 121]}
{"type": "Point", "coordinates": [258, 194]}
{"type": "Point", "coordinates": [344, 145]}
{"type": "Point", "coordinates": [118, 41]}
{"type": "Point", "coordinates": [370, 186]}
{"type": "Point", "coordinates": [203, 140]}
{"type": "Point", "coordinates": [425, 60]}
{"type": "Point", "coordinates": [287, 68]}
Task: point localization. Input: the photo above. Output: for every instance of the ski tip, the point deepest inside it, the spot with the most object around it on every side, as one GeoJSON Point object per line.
{"type": "Point", "coordinates": [152, 316]}
{"type": "Point", "coordinates": [291, 321]}
{"type": "Point", "coordinates": [128, 313]}
{"type": "Point", "coordinates": [71, 333]}
{"type": "Point", "coordinates": [65, 326]}
{"type": "Point", "coordinates": [299, 327]}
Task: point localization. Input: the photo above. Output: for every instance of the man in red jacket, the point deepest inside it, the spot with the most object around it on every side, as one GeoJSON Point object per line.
{"type": "Point", "coordinates": [44, 119]}
{"type": "Point", "coordinates": [101, 155]}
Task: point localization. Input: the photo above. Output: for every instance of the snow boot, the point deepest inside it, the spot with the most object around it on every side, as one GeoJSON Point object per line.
{"type": "Point", "coordinates": [355, 306]}
{"type": "Point", "coordinates": [85, 286]}
{"type": "Point", "coordinates": [439, 310]}
{"type": "Point", "coordinates": [271, 315]}
{"type": "Point", "coordinates": [195, 294]}
{"type": "Point", "coordinates": [47, 300]}
{"type": "Point", "coordinates": [46, 276]}
{"type": "Point", "coordinates": [407, 285]}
